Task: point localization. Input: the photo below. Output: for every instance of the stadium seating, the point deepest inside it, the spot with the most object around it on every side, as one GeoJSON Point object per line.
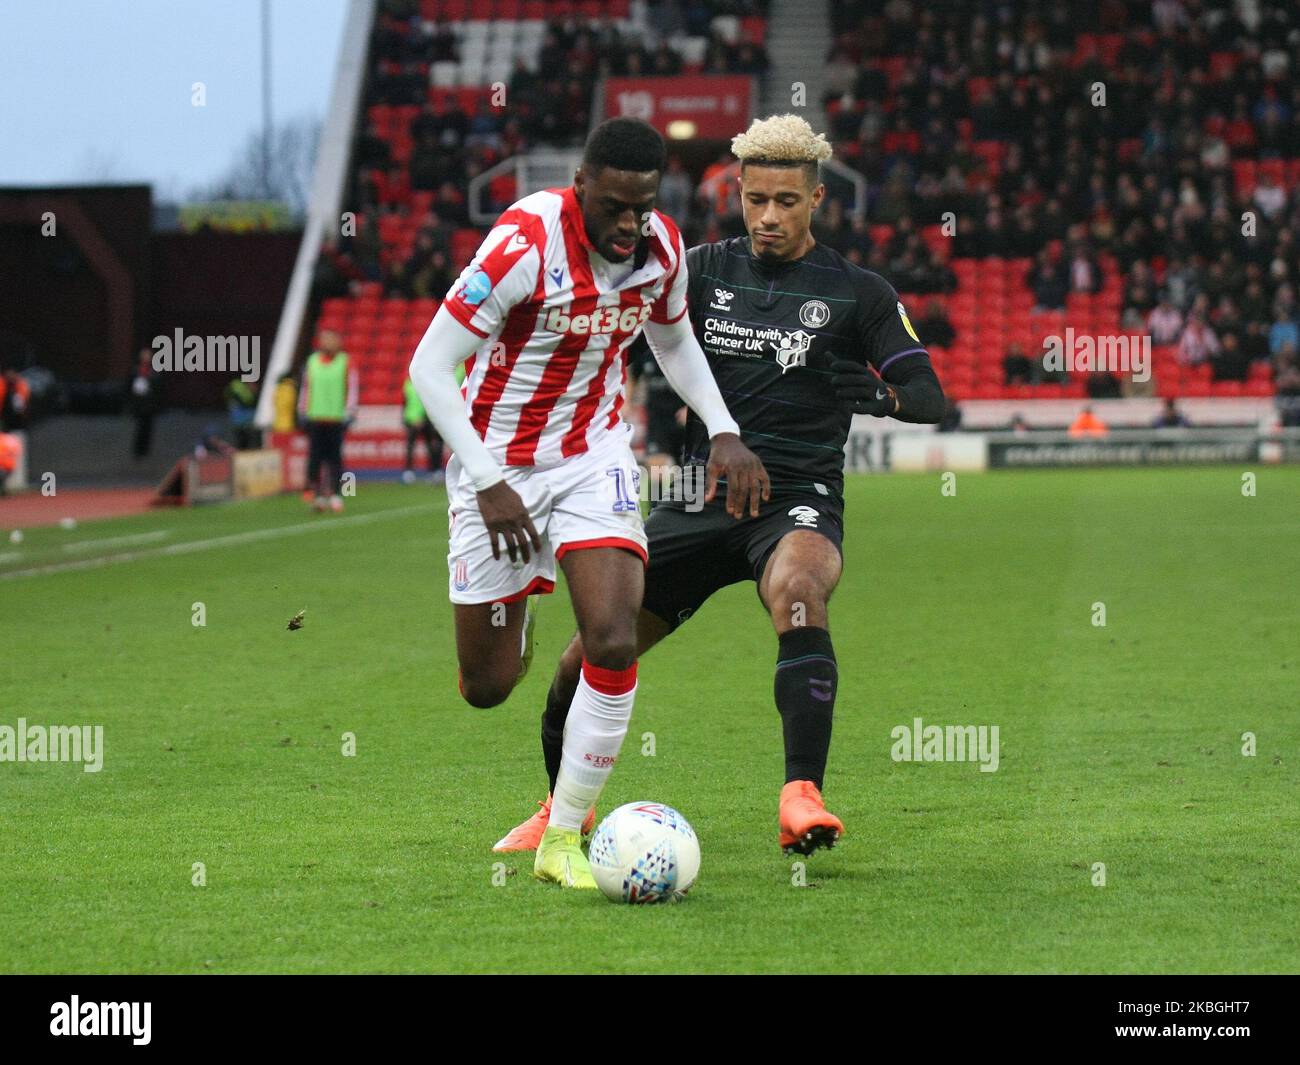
{"type": "Point", "coordinates": [991, 304]}
{"type": "Point", "coordinates": [491, 37]}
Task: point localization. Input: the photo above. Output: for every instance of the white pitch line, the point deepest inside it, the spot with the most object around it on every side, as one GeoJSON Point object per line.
{"type": "Point", "coordinates": [10, 556]}
{"type": "Point", "coordinates": [191, 546]}
{"type": "Point", "coordinates": [118, 541]}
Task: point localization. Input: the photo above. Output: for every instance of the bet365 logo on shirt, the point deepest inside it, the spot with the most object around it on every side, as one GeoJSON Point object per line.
{"type": "Point", "coordinates": [603, 320]}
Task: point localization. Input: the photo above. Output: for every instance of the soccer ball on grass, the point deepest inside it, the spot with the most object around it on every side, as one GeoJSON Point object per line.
{"type": "Point", "coordinates": [645, 852]}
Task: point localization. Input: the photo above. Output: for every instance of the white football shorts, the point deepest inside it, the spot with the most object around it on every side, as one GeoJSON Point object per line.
{"type": "Point", "coordinates": [588, 500]}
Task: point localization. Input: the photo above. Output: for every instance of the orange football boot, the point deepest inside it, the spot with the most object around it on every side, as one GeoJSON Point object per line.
{"type": "Point", "coordinates": [526, 836]}
{"type": "Point", "coordinates": [806, 824]}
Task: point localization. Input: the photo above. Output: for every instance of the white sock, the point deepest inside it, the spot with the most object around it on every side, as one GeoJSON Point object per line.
{"type": "Point", "coordinates": [593, 733]}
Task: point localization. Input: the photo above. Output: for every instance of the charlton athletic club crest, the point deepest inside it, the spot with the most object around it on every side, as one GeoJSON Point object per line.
{"type": "Point", "coordinates": [814, 314]}
{"type": "Point", "coordinates": [792, 349]}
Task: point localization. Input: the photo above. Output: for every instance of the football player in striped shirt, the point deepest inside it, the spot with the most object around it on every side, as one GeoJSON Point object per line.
{"type": "Point", "coordinates": [542, 471]}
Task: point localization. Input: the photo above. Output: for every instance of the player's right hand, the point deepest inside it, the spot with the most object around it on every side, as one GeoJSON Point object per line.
{"type": "Point", "coordinates": [505, 515]}
{"type": "Point", "coordinates": [747, 482]}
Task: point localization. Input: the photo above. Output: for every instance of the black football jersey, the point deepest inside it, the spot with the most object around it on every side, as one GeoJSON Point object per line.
{"type": "Point", "coordinates": [770, 332]}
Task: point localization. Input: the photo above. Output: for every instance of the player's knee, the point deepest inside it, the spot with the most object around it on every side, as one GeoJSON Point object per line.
{"type": "Point", "coordinates": [798, 597]}
{"type": "Point", "coordinates": [610, 646]}
{"type": "Point", "coordinates": [484, 692]}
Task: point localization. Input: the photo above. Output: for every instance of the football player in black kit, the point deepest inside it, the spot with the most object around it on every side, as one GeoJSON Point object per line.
{"type": "Point", "coordinates": [799, 340]}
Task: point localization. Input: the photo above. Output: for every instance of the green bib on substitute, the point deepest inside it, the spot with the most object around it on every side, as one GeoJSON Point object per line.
{"type": "Point", "coordinates": [413, 411]}
{"type": "Point", "coordinates": [327, 388]}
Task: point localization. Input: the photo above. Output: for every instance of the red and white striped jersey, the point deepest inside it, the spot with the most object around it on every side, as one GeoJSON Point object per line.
{"type": "Point", "coordinates": [556, 320]}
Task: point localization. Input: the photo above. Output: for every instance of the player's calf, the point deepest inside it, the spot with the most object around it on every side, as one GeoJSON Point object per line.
{"type": "Point", "coordinates": [488, 648]}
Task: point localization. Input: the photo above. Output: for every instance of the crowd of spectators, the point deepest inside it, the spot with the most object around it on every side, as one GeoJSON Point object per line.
{"type": "Point", "coordinates": [546, 103]}
{"type": "Point", "coordinates": [1164, 136]}
{"type": "Point", "coordinates": [1157, 142]}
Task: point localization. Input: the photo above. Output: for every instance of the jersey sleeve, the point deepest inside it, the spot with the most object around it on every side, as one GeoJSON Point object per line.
{"type": "Point", "coordinates": [671, 304]}
{"type": "Point", "coordinates": [503, 272]}
{"type": "Point", "coordinates": [885, 333]}
{"type": "Point", "coordinates": [695, 263]}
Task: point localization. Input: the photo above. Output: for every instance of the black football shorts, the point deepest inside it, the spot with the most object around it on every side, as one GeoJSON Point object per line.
{"type": "Point", "coordinates": [692, 555]}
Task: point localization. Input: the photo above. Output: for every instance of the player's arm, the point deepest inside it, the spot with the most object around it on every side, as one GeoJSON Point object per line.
{"type": "Point", "coordinates": [905, 385]}
{"type": "Point", "coordinates": [354, 394]}
{"type": "Point", "coordinates": [918, 395]}
{"type": "Point", "coordinates": [303, 386]}
{"type": "Point", "coordinates": [445, 345]}
{"type": "Point", "coordinates": [502, 273]}
{"type": "Point", "coordinates": [680, 357]}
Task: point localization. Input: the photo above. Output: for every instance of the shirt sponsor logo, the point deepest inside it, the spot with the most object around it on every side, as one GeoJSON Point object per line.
{"type": "Point", "coordinates": [721, 300]}
{"type": "Point", "coordinates": [602, 320]}
{"type": "Point", "coordinates": [815, 314]}
{"type": "Point", "coordinates": [725, 337]}
{"type": "Point", "coordinates": [476, 289]}
{"type": "Point", "coordinates": [792, 349]}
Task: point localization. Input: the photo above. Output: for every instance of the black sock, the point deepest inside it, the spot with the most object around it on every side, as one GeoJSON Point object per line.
{"type": "Point", "coordinates": [806, 679]}
{"type": "Point", "coordinates": [553, 718]}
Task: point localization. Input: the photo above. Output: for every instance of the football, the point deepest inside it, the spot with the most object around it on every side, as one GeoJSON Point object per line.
{"type": "Point", "coordinates": [645, 852]}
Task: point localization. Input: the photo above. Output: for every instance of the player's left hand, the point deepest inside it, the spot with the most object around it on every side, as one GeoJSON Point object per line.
{"type": "Point", "coordinates": [860, 389]}
{"type": "Point", "coordinates": [747, 480]}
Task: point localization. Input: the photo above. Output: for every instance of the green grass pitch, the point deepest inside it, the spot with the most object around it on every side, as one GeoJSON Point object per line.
{"type": "Point", "coordinates": [1119, 744]}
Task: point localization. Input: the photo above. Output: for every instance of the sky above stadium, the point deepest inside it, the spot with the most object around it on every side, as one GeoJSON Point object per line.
{"type": "Point", "coordinates": [99, 91]}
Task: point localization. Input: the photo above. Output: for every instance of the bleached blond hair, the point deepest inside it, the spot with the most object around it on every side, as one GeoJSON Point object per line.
{"type": "Point", "coordinates": [780, 139]}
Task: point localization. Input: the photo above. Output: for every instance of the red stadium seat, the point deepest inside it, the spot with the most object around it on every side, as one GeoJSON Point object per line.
{"type": "Point", "coordinates": [754, 29]}
{"type": "Point", "coordinates": [1292, 175]}
{"type": "Point", "coordinates": [881, 234]}
{"type": "Point", "coordinates": [1273, 168]}
{"type": "Point", "coordinates": [1109, 47]}
{"type": "Point", "coordinates": [1243, 176]}
{"type": "Point", "coordinates": [464, 243]}
{"type": "Point", "coordinates": [1222, 64]}
{"type": "Point", "coordinates": [503, 189]}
